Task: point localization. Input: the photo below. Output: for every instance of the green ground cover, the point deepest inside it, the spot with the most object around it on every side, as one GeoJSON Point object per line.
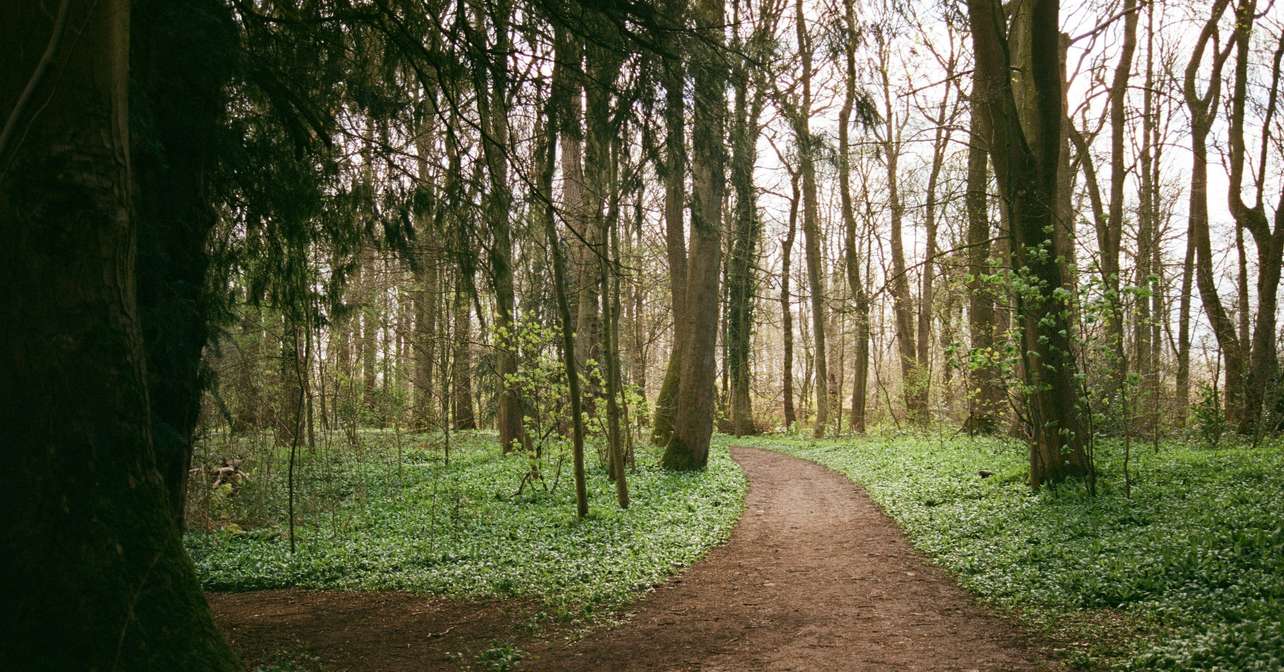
{"type": "Point", "coordinates": [1188, 574]}
{"type": "Point", "coordinates": [395, 517]}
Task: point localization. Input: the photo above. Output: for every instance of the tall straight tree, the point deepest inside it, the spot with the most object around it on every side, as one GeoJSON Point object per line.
{"type": "Point", "coordinates": [986, 396]}
{"type": "Point", "coordinates": [97, 575]}
{"type": "Point", "coordinates": [546, 153]}
{"type": "Point", "coordinates": [673, 170]}
{"type": "Point", "coordinates": [490, 81]}
{"type": "Point", "coordinates": [856, 287]}
{"type": "Point", "coordinates": [800, 119]}
{"type": "Point", "coordinates": [688, 447]}
{"type": "Point", "coordinates": [1026, 162]}
{"type": "Point", "coordinates": [741, 267]}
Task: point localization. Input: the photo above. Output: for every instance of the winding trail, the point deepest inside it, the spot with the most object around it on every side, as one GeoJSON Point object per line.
{"type": "Point", "coordinates": [814, 577]}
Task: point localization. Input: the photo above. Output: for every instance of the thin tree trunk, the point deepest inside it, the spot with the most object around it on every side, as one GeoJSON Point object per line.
{"type": "Point", "coordinates": [855, 286]}
{"type": "Point", "coordinates": [786, 304]}
{"type": "Point", "coordinates": [462, 416]}
{"type": "Point", "coordinates": [549, 148]}
{"type": "Point", "coordinates": [986, 396]}
{"type": "Point", "coordinates": [1203, 111]}
{"type": "Point", "coordinates": [913, 382]}
{"type": "Point", "coordinates": [811, 220]}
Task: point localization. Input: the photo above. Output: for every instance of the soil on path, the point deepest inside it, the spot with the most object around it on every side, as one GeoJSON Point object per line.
{"type": "Point", "coordinates": [814, 577]}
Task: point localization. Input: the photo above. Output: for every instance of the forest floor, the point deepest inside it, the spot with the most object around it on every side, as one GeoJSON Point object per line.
{"type": "Point", "coordinates": [815, 576]}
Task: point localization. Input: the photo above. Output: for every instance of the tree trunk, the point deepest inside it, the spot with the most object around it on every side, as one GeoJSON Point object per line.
{"type": "Point", "coordinates": [786, 303]}
{"type": "Point", "coordinates": [461, 369]}
{"type": "Point", "coordinates": [1027, 165]}
{"type": "Point", "coordinates": [97, 572]}
{"type": "Point", "coordinates": [855, 286]}
{"type": "Point", "coordinates": [178, 79]}
{"type": "Point", "coordinates": [1203, 111]}
{"type": "Point", "coordinates": [913, 383]}
{"type": "Point", "coordinates": [557, 100]}
{"type": "Point", "coordinates": [811, 220]}
{"type": "Point", "coordinates": [741, 278]}
{"type": "Point", "coordinates": [674, 174]}
{"type": "Point", "coordinates": [490, 63]}
{"type": "Point", "coordinates": [1260, 353]}
{"type": "Point", "coordinates": [688, 447]}
{"type": "Point", "coordinates": [986, 396]}
{"type": "Point", "coordinates": [425, 297]}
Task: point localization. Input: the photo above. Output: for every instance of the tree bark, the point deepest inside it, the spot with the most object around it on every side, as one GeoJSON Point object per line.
{"type": "Point", "coordinates": [1260, 353]}
{"type": "Point", "coordinates": [1203, 112]}
{"type": "Point", "coordinates": [490, 81]}
{"type": "Point", "coordinates": [1026, 163]}
{"type": "Point", "coordinates": [741, 278]}
{"type": "Point", "coordinates": [97, 574]}
{"type": "Point", "coordinates": [674, 175]}
{"type": "Point", "coordinates": [557, 100]}
{"type": "Point", "coordinates": [986, 396]}
{"type": "Point", "coordinates": [856, 287]}
{"type": "Point", "coordinates": [786, 303]}
{"type": "Point", "coordinates": [811, 221]}
{"type": "Point", "coordinates": [688, 447]}
{"type": "Point", "coordinates": [913, 382]}
{"type": "Point", "coordinates": [461, 370]}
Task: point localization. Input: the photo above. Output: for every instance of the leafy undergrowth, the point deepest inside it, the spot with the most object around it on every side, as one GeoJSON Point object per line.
{"type": "Point", "coordinates": [462, 530]}
{"type": "Point", "coordinates": [1188, 574]}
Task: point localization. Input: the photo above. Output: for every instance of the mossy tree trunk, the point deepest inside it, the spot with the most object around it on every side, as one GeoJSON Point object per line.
{"type": "Point", "coordinates": [97, 575]}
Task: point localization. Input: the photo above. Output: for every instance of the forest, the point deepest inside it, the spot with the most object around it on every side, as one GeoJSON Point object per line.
{"type": "Point", "coordinates": [641, 335]}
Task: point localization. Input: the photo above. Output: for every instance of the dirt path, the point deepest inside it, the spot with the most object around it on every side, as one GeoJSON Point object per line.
{"type": "Point", "coordinates": [815, 577]}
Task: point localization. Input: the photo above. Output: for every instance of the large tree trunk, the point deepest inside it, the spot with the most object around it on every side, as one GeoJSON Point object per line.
{"type": "Point", "coordinates": [97, 572]}
{"type": "Point", "coordinates": [461, 369]}
{"type": "Point", "coordinates": [546, 158]}
{"type": "Point", "coordinates": [674, 174]}
{"type": "Point", "coordinates": [179, 78]}
{"type": "Point", "coordinates": [1260, 351]}
{"type": "Point", "coordinates": [688, 447]}
{"type": "Point", "coordinates": [425, 299]}
{"type": "Point", "coordinates": [1026, 162]}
